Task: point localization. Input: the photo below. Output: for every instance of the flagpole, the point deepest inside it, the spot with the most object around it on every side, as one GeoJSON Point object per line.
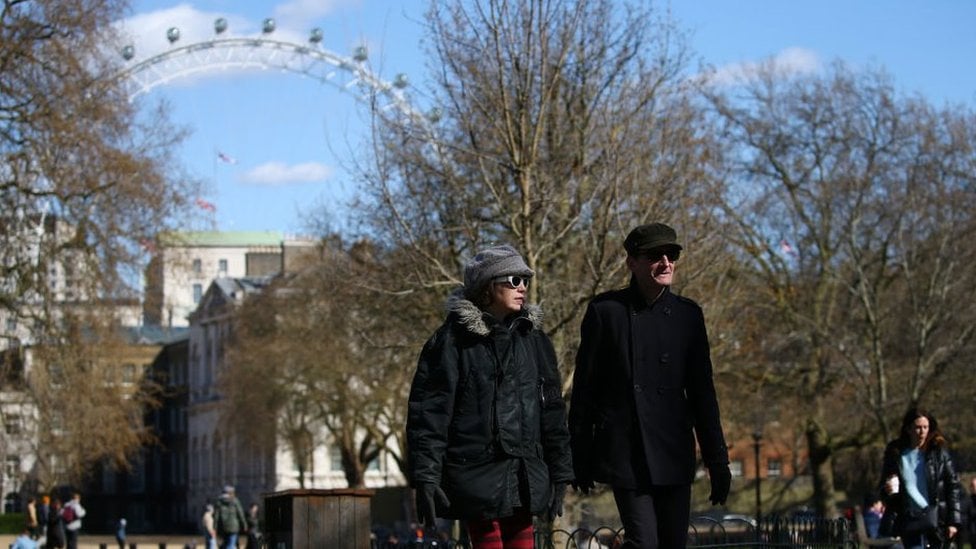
{"type": "Point", "coordinates": [213, 213]}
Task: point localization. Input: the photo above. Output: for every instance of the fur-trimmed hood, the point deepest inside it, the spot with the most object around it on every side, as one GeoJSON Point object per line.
{"type": "Point", "coordinates": [473, 319]}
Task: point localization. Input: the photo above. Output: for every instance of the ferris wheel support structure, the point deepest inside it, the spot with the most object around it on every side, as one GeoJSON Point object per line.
{"type": "Point", "coordinates": [347, 73]}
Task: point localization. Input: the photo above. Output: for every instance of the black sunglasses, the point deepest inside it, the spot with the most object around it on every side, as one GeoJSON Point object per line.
{"type": "Point", "coordinates": [513, 281]}
{"type": "Point", "coordinates": [654, 255]}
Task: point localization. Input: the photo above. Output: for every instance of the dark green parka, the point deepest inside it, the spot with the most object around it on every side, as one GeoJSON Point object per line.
{"type": "Point", "coordinates": [486, 418]}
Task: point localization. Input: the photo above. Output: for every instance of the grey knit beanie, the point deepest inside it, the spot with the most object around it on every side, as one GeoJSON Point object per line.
{"type": "Point", "coordinates": [491, 262]}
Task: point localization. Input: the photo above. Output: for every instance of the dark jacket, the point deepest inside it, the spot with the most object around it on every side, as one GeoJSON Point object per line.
{"type": "Point", "coordinates": [229, 515]}
{"type": "Point", "coordinates": [486, 418]}
{"type": "Point", "coordinates": [55, 528]}
{"type": "Point", "coordinates": [943, 488]}
{"type": "Point", "coordinates": [970, 518]}
{"type": "Point", "coordinates": [643, 391]}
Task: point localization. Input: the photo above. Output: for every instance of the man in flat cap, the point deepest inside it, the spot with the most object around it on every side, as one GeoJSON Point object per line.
{"type": "Point", "coordinates": [642, 394]}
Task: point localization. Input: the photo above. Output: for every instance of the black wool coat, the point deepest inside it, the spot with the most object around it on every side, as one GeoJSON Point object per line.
{"type": "Point", "coordinates": [643, 391]}
{"type": "Point", "coordinates": [486, 419]}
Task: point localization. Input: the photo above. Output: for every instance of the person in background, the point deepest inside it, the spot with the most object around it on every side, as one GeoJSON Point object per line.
{"type": "Point", "coordinates": [55, 537]}
{"type": "Point", "coordinates": [873, 511]}
{"type": "Point", "coordinates": [120, 532]}
{"type": "Point", "coordinates": [43, 511]}
{"type": "Point", "coordinates": [253, 527]}
{"type": "Point", "coordinates": [969, 514]}
{"type": "Point", "coordinates": [486, 422]}
{"type": "Point", "coordinates": [917, 475]}
{"type": "Point", "coordinates": [230, 520]}
{"type": "Point", "coordinates": [24, 540]}
{"type": "Point", "coordinates": [209, 532]}
{"type": "Point", "coordinates": [72, 513]}
{"type": "Point", "coordinates": [643, 393]}
{"type": "Point", "coordinates": [32, 522]}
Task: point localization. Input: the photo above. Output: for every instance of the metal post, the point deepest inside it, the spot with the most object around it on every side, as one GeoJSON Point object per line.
{"type": "Point", "coordinates": [757, 440]}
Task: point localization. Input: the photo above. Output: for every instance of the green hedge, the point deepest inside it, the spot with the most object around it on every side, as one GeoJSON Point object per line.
{"type": "Point", "coordinates": [12, 523]}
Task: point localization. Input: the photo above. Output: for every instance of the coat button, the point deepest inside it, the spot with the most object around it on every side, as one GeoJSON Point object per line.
{"type": "Point", "coordinates": [660, 390]}
{"type": "Point", "coordinates": [637, 388]}
{"type": "Point", "coordinates": [665, 358]}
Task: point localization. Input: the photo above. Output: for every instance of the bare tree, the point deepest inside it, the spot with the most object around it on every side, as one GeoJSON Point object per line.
{"type": "Point", "coordinates": [85, 178]}
{"type": "Point", "coordinates": [559, 126]}
{"type": "Point", "coordinates": [336, 348]}
{"type": "Point", "coordinates": [852, 209]}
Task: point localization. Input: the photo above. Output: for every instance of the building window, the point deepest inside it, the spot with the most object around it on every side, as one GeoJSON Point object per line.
{"type": "Point", "coordinates": [335, 455]}
{"type": "Point", "coordinates": [197, 293]}
{"type": "Point", "coordinates": [222, 267]}
{"type": "Point", "coordinates": [197, 266]}
{"type": "Point", "coordinates": [774, 468]}
{"type": "Point", "coordinates": [129, 373]}
{"type": "Point", "coordinates": [736, 467]}
{"type": "Point", "coordinates": [11, 324]}
{"type": "Point", "coordinates": [11, 424]}
{"type": "Point", "coordinates": [374, 465]}
{"type": "Point", "coordinates": [11, 469]}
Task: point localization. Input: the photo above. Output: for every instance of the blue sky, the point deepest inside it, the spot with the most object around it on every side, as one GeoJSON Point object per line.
{"type": "Point", "coordinates": [291, 136]}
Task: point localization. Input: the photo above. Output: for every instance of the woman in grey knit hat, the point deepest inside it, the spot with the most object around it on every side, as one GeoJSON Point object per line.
{"type": "Point", "coordinates": [486, 426]}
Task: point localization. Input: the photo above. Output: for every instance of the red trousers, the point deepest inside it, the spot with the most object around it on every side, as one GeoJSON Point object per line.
{"type": "Point", "coordinates": [514, 532]}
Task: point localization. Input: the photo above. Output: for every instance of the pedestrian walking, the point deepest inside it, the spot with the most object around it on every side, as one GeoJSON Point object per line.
{"type": "Point", "coordinates": [642, 393]}
{"type": "Point", "coordinates": [253, 527]}
{"type": "Point", "coordinates": [120, 532]}
{"type": "Point", "coordinates": [209, 530]}
{"type": "Point", "coordinates": [230, 519]}
{"type": "Point", "coordinates": [486, 425]}
{"type": "Point", "coordinates": [71, 514]}
{"type": "Point", "coordinates": [55, 538]}
{"type": "Point", "coordinates": [920, 486]}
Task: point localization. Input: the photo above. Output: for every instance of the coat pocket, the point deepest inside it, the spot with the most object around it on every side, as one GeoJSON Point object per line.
{"type": "Point", "coordinates": [475, 489]}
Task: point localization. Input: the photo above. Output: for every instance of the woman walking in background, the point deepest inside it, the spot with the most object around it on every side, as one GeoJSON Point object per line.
{"type": "Point", "coordinates": [55, 526]}
{"type": "Point", "coordinates": [920, 485]}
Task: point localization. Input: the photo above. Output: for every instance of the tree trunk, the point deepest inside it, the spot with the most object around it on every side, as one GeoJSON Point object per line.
{"type": "Point", "coordinates": [821, 468]}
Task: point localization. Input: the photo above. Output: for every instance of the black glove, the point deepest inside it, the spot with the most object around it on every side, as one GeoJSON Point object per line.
{"type": "Point", "coordinates": [583, 486]}
{"type": "Point", "coordinates": [428, 496]}
{"type": "Point", "coordinates": [721, 479]}
{"type": "Point", "coordinates": [556, 503]}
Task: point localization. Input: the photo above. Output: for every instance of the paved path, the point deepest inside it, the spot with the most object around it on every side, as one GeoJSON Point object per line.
{"type": "Point", "coordinates": [141, 542]}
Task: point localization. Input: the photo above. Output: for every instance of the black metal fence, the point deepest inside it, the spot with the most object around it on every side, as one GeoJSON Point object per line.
{"type": "Point", "coordinates": [703, 533]}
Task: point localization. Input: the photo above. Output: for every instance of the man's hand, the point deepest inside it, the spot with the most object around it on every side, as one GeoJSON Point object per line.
{"type": "Point", "coordinates": [721, 479]}
{"type": "Point", "coordinates": [556, 503]}
{"type": "Point", "coordinates": [428, 495]}
{"type": "Point", "coordinates": [583, 486]}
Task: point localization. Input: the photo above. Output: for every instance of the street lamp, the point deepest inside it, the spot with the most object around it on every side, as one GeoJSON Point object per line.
{"type": "Point", "coordinates": [756, 442]}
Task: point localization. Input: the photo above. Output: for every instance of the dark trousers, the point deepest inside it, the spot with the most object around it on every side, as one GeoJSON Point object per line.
{"type": "Point", "coordinates": [654, 517]}
{"type": "Point", "coordinates": [71, 537]}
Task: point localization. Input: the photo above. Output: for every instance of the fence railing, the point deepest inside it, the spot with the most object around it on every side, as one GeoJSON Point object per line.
{"type": "Point", "coordinates": [703, 533]}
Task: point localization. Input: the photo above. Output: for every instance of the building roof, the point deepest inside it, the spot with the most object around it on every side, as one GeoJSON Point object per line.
{"type": "Point", "coordinates": [238, 287]}
{"type": "Point", "coordinates": [218, 239]}
{"type": "Point", "coordinates": [156, 335]}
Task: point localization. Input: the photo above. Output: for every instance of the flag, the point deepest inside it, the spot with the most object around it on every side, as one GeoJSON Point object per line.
{"type": "Point", "coordinates": [148, 245]}
{"type": "Point", "coordinates": [225, 158]}
{"type": "Point", "coordinates": [785, 247]}
{"type": "Point", "coordinates": [203, 204]}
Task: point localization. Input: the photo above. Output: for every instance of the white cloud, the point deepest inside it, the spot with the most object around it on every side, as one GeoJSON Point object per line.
{"type": "Point", "coordinates": [278, 173]}
{"type": "Point", "coordinates": [295, 11]}
{"type": "Point", "coordinates": [788, 62]}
